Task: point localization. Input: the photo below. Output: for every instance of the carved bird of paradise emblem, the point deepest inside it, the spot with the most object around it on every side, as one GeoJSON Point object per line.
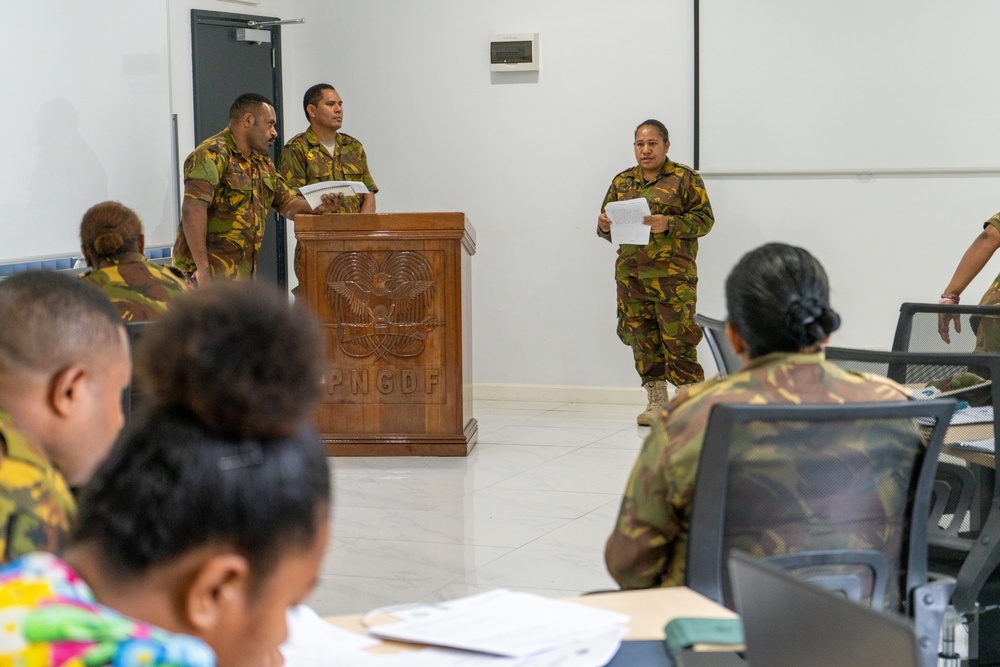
{"type": "Point", "coordinates": [381, 305]}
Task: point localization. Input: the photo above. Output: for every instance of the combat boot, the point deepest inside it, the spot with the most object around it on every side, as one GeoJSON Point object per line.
{"type": "Point", "coordinates": [657, 394]}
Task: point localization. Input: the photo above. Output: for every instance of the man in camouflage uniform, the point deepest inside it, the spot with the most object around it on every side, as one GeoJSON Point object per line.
{"type": "Point", "coordinates": [649, 544]}
{"type": "Point", "coordinates": [114, 246]}
{"type": "Point", "coordinates": [64, 362]}
{"type": "Point", "coordinates": [987, 329]}
{"type": "Point", "coordinates": [324, 153]}
{"type": "Point", "coordinates": [229, 185]}
{"type": "Point", "coordinates": [657, 282]}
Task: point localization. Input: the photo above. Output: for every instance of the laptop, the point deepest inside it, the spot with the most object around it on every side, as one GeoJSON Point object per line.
{"type": "Point", "coordinates": [789, 623]}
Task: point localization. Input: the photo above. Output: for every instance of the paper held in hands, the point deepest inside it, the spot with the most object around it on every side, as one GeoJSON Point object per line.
{"type": "Point", "coordinates": [626, 221]}
{"type": "Point", "coordinates": [314, 193]}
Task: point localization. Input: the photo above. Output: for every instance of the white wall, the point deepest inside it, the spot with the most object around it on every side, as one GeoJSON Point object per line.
{"type": "Point", "coordinates": [528, 160]}
{"type": "Point", "coordinates": [882, 242]}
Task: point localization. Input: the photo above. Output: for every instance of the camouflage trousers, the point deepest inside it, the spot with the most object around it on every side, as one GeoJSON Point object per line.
{"type": "Point", "coordinates": [656, 319]}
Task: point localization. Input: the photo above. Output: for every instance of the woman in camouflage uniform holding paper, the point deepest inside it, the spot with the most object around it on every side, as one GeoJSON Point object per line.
{"type": "Point", "coordinates": [657, 282]}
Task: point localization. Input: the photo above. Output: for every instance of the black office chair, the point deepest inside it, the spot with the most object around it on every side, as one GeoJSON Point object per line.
{"type": "Point", "coordinates": [917, 328]}
{"type": "Point", "coordinates": [722, 352]}
{"type": "Point", "coordinates": [970, 377]}
{"type": "Point", "coordinates": [132, 396]}
{"type": "Point", "coordinates": [802, 485]}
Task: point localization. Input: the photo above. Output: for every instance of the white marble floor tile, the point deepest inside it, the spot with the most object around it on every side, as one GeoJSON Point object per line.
{"type": "Point", "coordinates": [393, 559]}
{"type": "Point", "coordinates": [630, 438]}
{"type": "Point", "coordinates": [568, 435]}
{"type": "Point", "coordinates": [528, 567]}
{"type": "Point", "coordinates": [559, 504]}
{"type": "Point", "coordinates": [585, 470]}
{"type": "Point", "coordinates": [461, 590]}
{"type": "Point", "coordinates": [529, 508]}
{"type": "Point", "coordinates": [463, 525]}
{"type": "Point", "coordinates": [342, 594]}
{"type": "Point", "coordinates": [487, 406]}
{"type": "Point", "coordinates": [582, 534]}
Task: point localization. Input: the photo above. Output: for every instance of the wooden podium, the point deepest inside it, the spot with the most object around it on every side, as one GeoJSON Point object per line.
{"type": "Point", "coordinates": [393, 292]}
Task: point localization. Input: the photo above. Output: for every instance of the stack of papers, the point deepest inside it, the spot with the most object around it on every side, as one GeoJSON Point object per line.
{"type": "Point", "coordinates": [314, 193]}
{"type": "Point", "coordinates": [500, 628]}
{"type": "Point", "coordinates": [980, 415]}
{"type": "Point", "coordinates": [626, 221]}
{"type": "Point", "coordinates": [987, 446]}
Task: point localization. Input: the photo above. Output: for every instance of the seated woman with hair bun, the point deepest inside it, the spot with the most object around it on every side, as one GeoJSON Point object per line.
{"type": "Point", "coordinates": [113, 244]}
{"type": "Point", "coordinates": [210, 516]}
{"type": "Point", "coordinates": [779, 319]}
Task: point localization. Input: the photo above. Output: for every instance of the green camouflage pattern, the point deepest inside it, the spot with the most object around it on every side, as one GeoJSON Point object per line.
{"type": "Point", "coordinates": [238, 190]}
{"type": "Point", "coordinates": [140, 289]}
{"type": "Point", "coordinates": [657, 283]}
{"type": "Point", "coordinates": [304, 161]}
{"type": "Point", "coordinates": [988, 328]}
{"type": "Point", "coordinates": [965, 386]}
{"type": "Point", "coordinates": [36, 505]}
{"type": "Point", "coordinates": [648, 546]}
{"type": "Point", "coordinates": [656, 319]}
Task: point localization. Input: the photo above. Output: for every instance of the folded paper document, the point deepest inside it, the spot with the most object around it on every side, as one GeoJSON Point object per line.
{"type": "Point", "coordinates": [314, 193]}
{"type": "Point", "coordinates": [502, 623]}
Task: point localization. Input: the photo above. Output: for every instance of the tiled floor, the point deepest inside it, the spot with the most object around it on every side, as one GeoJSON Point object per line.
{"type": "Point", "coordinates": [529, 509]}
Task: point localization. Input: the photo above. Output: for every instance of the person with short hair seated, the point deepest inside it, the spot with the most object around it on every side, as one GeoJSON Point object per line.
{"type": "Point", "coordinates": [113, 244]}
{"type": "Point", "coordinates": [211, 515]}
{"type": "Point", "coordinates": [64, 362]}
{"type": "Point", "coordinates": [779, 319]}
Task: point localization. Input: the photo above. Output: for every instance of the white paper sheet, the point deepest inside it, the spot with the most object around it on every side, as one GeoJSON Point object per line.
{"type": "Point", "coordinates": [502, 622]}
{"type": "Point", "coordinates": [626, 221]}
{"type": "Point", "coordinates": [593, 650]}
{"type": "Point", "coordinates": [987, 446]}
{"type": "Point", "coordinates": [312, 641]}
{"type": "Point", "coordinates": [980, 415]}
{"type": "Point", "coordinates": [314, 192]}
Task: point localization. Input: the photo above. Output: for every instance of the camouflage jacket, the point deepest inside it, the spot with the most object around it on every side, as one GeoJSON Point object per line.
{"type": "Point", "coordinates": [36, 505]}
{"type": "Point", "coordinates": [140, 289]}
{"type": "Point", "coordinates": [238, 190]}
{"type": "Point", "coordinates": [304, 161]}
{"type": "Point", "coordinates": [648, 546]}
{"type": "Point", "coordinates": [678, 193]}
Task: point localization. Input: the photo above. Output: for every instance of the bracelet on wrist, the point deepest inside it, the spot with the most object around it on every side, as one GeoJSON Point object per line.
{"type": "Point", "coordinates": [951, 299]}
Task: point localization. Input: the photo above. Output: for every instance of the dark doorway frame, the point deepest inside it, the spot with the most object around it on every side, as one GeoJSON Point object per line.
{"type": "Point", "coordinates": [203, 130]}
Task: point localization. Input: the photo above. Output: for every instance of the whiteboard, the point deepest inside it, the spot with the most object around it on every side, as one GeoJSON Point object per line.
{"type": "Point", "coordinates": [790, 85]}
{"type": "Point", "coordinates": [87, 110]}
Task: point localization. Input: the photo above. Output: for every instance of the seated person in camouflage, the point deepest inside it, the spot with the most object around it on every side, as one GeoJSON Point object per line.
{"type": "Point", "coordinates": [64, 361]}
{"type": "Point", "coordinates": [230, 183]}
{"type": "Point", "coordinates": [113, 244]}
{"type": "Point", "coordinates": [324, 153]}
{"type": "Point", "coordinates": [211, 514]}
{"type": "Point", "coordinates": [779, 319]}
{"type": "Point", "coordinates": [973, 261]}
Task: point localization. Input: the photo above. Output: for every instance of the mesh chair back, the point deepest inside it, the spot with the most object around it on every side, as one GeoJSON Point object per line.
{"type": "Point", "coordinates": [132, 396]}
{"type": "Point", "coordinates": [970, 377]}
{"type": "Point", "coordinates": [917, 328]}
{"type": "Point", "coordinates": [722, 352]}
{"type": "Point", "coordinates": [775, 480]}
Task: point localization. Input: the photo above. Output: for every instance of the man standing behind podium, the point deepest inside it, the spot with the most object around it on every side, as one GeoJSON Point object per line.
{"type": "Point", "coordinates": [323, 153]}
{"type": "Point", "coordinates": [229, 184]}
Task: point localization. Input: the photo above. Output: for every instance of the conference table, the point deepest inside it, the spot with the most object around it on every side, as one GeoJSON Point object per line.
{"type": "Point", "coordinates": [648, 611]}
